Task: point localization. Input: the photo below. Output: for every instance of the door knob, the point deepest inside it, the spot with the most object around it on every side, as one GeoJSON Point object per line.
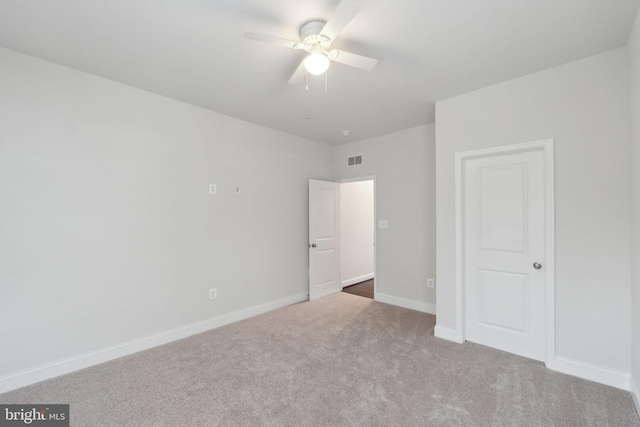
{"type": "Point", "coordinates": [537, 265]}
{"type": "Point", "coordinates": [312, 245]}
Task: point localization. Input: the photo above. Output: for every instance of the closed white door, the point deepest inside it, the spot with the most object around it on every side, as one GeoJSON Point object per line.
{"type": "Point", "coordinates": [324, 238]}
{"type": "Point", "coordinates": [504, 244]}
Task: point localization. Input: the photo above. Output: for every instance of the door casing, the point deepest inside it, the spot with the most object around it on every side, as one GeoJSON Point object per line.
{"type": "Point", "coordinates": [546, 146]}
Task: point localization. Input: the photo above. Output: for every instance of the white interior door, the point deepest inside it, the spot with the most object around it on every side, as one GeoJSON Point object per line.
{"type": "Point", "coordinates": [324, 238]}
{"type": "Point", "coordinates": [504, 248]}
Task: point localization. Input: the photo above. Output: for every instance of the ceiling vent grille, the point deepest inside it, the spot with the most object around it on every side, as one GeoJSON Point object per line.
{"type": "Point", "coordinates": [355, 160]}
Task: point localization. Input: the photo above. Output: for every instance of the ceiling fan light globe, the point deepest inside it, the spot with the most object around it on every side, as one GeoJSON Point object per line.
{"type": "Point", "coordinates": [316, 63]}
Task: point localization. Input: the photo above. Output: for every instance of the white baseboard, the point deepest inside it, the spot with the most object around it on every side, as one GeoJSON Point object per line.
{"type": "Point", "coordinates": [406, 303]}
{"type": "Point", "coordinates": [635, 394]}
{"type": "Point", "coordinates": [448, 334]}
{"type": "Point", "coordinates": [358, 279]}
{"type": "Point", "coordinates": [50, 370]}
{"type": "Point", "coordinates": [596, 373]}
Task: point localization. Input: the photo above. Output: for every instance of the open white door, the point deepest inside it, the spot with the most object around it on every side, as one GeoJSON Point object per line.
{"type": "Point", "coordinates": [324, 238]}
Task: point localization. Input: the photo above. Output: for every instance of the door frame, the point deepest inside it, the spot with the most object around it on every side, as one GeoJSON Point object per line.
{"type": "Point", "coordinates": [546, 146]}
{"type": "Point", "coordinates": [375, 225]}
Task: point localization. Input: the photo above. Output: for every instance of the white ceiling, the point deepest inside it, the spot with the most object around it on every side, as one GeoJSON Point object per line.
{"type": "Point", "coordinates": [427, 50]}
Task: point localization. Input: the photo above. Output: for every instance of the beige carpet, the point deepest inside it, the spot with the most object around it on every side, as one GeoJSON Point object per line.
{"type": "Point", "coordinates": [342, 360]}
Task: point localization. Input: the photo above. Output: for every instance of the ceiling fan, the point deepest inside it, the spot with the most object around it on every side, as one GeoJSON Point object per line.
{"type": "Point", "coordinates": [317, 37]}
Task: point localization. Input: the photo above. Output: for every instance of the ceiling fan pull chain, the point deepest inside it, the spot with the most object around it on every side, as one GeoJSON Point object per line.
{"type": "Point", "coordinates": [326, 73]}
{"type": "Point", "coordinates": [306, 87]}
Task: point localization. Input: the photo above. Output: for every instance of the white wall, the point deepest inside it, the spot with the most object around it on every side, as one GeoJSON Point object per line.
{"type": "Point", "coordinates": [584, 105]}
{"type": "Point", "coordinates": [634, 74]}
{"type": "Point", "coordinates": [107, 230]}
{"type": "Point", "coordinates": [403, 163]}
{"type": "Point", "coordinates": [356, 231]}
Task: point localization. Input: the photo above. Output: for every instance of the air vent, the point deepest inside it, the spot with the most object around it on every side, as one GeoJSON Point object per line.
{"type": "Point", "coordinates": [355, 160]}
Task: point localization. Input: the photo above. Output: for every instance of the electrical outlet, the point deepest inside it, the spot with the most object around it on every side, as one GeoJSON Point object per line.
{"type": "Point", "coordinates": [212, 189]}
{"type": "Point", "coordinates": [213, 293]}
{"type": "Point", "coordinates": [431, 283]}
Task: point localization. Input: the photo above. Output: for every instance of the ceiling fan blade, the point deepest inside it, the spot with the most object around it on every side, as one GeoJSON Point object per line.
{"type": "Point", "coordinates": [273, 40]}
{"type": "Point", "coordinates": [298, 74]}
{"type": "Point", "coordinates": [344, 13]}
{"type": "Point", "coordinates": [353, 60]}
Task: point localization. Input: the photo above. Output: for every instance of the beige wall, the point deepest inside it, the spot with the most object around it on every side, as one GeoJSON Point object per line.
{"type": "Point", "coordinates": [107, 228]}
{"type": "Point", "coordinates": [403, 163]}
{"type": "Point", "coordinates": [584, 106]}
{"type": "Point", "coordinates": [634, 74]}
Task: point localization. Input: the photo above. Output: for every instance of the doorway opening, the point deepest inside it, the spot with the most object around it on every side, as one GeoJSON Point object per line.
{"type": "Point", "coordinates": [363, 289]}
{"type": "Point", "coordinates": [357, 231]}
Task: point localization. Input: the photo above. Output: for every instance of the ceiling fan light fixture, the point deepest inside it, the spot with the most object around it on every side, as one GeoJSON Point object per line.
{"type": "Point", "coordinates": [317, 62]}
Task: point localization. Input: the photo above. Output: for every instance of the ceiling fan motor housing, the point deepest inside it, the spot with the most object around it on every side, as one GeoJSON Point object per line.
{"type": "Point", "coordinates": [310, 34]}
